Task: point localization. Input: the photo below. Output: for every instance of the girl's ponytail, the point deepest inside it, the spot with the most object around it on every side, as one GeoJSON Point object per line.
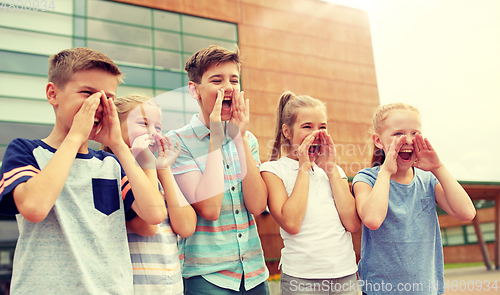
{"type": "Point", "coordinates": [279, 139]}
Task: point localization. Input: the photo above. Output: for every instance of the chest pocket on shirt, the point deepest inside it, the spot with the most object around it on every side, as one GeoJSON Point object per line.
{"type": "Point", "coordinates": [106, 195]}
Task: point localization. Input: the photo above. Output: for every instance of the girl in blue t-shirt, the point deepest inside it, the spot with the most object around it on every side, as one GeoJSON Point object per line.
{"type": "Point", "coordinates": [401, 248]}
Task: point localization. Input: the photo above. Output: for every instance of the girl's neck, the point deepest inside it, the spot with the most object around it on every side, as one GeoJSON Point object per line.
{"type": "Point", "coordinates": [403, 176]}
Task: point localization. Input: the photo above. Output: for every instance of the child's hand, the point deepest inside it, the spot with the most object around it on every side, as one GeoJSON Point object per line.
{"type": "Point", "coordinates": [142, 149]}
{"type": "Point", "coordinates": [390, 164]}
{"type": "Point", "coordinates": [427, 157]}
{"type": "Point", "coordinates": [327, 159]}
{"type": "Point", "coordinates": [110, 133]}
{"type": "Point", "coordinates": [216, 130]}
{"type": "Point", "coordinates": [303, 151]}
{"type": "Point", "coordinates": [241, 111]}
{"type": "Point", "coordinates": [83, 122]}
{"type": "Point", "coordinates": [167, 152]}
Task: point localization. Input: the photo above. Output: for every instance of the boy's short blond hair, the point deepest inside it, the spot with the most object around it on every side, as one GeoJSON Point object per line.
{"type": "Point", "coordinates": [204, 58]}
{"type": "Point", "coordinates": [63, 65]}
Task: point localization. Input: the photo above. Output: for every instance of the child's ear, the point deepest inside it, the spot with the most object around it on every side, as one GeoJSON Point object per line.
{"type": "Point", "coordinates": [51, 93]}
{"type": "Point", "coordinates": [286, 131]}
{"type": "Point", "coordinates": [377, 141]}
{"type": "Point", "coordinates": [193, 90]}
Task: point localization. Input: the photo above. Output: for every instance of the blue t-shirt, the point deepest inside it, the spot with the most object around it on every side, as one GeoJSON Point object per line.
{"type": "Point", "coordinates": [81, 246]}
{"type": "Point", "coordinates": [405, 254]}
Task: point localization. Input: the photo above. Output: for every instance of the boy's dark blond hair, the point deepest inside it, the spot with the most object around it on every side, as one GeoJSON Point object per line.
{"type": "Point", "coordinates": [204, 58]}
{"type": "Point", "coordinates": [63, 65]}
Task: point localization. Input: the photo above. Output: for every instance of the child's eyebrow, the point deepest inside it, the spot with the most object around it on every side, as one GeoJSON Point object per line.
{"type": "Point", "coordinates": [222, 75]}
{"type": "Point", "coordinates": [94, 90]}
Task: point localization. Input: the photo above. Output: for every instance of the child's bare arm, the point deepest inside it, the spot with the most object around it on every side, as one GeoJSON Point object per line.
{"type": "Point", "coordinates": [205, 191]}
{"type": "Point", "coordinates": [140, 227]}
{"type": "Point", "coordinates": [148, 203]}
{"type": "Point", "coordinates": [181, 214]}
{"type": "Point", "coordinates": [450, 195]}
{"type": "Point", "coordinates": [289, 211]}
{"type": "Point", "coordinates": [344, 201]}
{"type": "Point", "coordinates": [372, 203]}
{"type": "Point", "coordinates": [253, 187]}
{"type": "Point", "coordinates": [36, 197]}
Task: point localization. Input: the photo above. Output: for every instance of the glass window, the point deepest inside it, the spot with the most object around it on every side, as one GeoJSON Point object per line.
{"type": "Point", "coordinates": [26, 111]}
{"type": "Point", "coordinates": [168, 80]}
{"type": "Point", "coordinates": [80, 8]}
{"type": "Point", "coordinates": [167, 40]}
{"type": "Point", "coordinates": [137, 76]}
{"type": "Point", "coordinates": [128, 34]}
{"type": "Point", "coordinates": [444, 238]}
{"type": "Point", "coordinates": [15, 40]}
{"type": "Point", "coordinates": [193, 44]}
{"type": "Point", "coordinates": [77, 42]}
{"type": "Point", "coordinates": [38, 21]}
{"type": "Point", "coordinates": [124, 90]}
{"type": "Point", "coordinates": [455, 236]}
{"type": "Point", "coordinates": [119, 12]}
{"type": "Point", "coordinates": [63, 6]}
{"type": "Point", "coordinates": [79, 27]}
{"type": "Point", "coordinates": [166, 20]}
{"type": "Point", "coordinates": [9, 131]}
{"type": "Point", "coordinates": [488, 230]}
{"type": "Point", "coordinates": [118, 33]}
{"type": "Point", "coordinates": [191, 103]}
{"type": "Point", "coordinates": [171, 120]}
{"type": "Point", "coordinates": [122, 53]}
{"type": "Point", "coordinates": [471, 234]}
{"type": "Point", "coordinates": [170, 100]}
{"type": "Point", "coordinates": [13, 85]}
{"type": "Point", "coordinates": [167, 60]}
{"type": "Point", "coordinates": [209, 28]}
{"type": "Point", "coordinates": [23, 63]}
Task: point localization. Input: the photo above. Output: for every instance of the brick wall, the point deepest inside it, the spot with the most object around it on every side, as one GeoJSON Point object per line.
{"type": "Point", "coordinates": [305, 46]}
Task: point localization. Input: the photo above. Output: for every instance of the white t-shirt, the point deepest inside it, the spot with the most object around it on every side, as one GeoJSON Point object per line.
{"type": "Point", "coordinates": [323, 248]}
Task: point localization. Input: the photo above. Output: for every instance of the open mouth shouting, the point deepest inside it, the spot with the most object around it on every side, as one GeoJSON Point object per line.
{"type": "Point", "coordinates": [405, 155]}
{"type": "Point", "coordinates": [314, 149]}
{"type": "Point", "coordinates": [227, 102]}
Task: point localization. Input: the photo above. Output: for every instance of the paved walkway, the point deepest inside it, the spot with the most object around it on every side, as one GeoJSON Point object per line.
{"type": "Point", "coordinates": [458, 281]}
{"type": "Point", "coordinates": [473, 280]}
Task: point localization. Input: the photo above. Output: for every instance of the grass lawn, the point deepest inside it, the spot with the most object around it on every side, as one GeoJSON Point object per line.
{"type": "Point", "coordinates": [460, 265]}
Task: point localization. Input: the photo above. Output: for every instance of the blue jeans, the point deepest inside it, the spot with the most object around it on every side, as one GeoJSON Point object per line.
{"type": "Point", "coordinates": [197, 285]}
{"type": "Point", "coordinates": [297, 286]}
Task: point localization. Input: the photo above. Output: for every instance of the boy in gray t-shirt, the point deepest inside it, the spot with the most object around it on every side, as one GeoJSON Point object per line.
{"type": "Point", "coordinates": [71, 201]}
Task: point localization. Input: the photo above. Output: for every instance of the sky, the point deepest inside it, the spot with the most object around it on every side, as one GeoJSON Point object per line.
{"type": "Point", "coordinates": [443, 56]}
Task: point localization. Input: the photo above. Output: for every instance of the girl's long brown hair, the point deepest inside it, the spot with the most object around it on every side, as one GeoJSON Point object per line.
{"type": "Point", "coordinates": [286, 113]}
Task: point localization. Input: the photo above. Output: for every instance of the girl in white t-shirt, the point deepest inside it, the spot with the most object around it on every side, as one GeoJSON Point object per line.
{"type": "Point", "coordinates": [309, 198]}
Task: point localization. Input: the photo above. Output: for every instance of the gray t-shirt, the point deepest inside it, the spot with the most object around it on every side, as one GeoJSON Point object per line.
{"type": "Point", "coordinates": [81, 246]}
{"type": "Point", "coordinates": [405, 254]}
